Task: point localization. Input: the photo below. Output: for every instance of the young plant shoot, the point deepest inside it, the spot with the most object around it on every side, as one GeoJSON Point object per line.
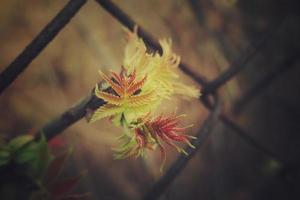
{"type": "Point", "coordinates": [137, 92]}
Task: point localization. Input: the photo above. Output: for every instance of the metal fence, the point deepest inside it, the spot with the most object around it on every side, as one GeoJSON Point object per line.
{"type": "Point", "coordinates": [209, 98]}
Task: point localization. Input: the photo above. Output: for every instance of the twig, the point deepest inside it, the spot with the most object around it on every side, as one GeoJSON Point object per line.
{"type": "Point", "coordinates": [262, 84]}
{"type": "Point", "coordinates": [39, 43]}
{"type": "Point", "coordinates": [60, 123]}
{"type": "Point", "coordinates": [69, 117]}
{"type": "Point", "coordinates": [79, 111]}
{"type": "Point", "coordinates": [206, 129]}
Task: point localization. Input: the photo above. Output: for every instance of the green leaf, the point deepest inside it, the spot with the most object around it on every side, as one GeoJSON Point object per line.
{"type": "Point", "coordinates": [43, 158]}
{"type": "Point", "coordinates": [105, 111]}
{"type": "Point", "coordinates": [27, 154]}
{"type": "Point", "coordinates": [36, 156]}
{"type": "Point", "coordinates": [19, 142]}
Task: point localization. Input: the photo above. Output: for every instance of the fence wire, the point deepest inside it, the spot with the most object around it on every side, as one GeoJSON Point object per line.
{"type": "Point", "coordinates": [39, 43]}
{"type": "Point", "coordinates": [77, 112]}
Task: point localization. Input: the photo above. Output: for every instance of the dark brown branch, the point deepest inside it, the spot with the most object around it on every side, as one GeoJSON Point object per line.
{"type": "Point", "coordinates": [69, 117]}
{"type": "Point", "coordinates": [206, 129]}
{"type": "Point", "coordinates": [74, 114]}
{"type": "Point", "coordinates": [79, 111]}
{"type": "Point", "coordinates": [39, 43]}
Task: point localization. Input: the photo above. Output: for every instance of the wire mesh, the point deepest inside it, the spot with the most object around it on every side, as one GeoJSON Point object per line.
{"type": "Point", "coordinates": [77, 112]}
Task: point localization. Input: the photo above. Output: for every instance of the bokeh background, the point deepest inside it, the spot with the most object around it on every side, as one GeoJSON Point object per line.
{"type": "Point", "coordinates": [208, 35]}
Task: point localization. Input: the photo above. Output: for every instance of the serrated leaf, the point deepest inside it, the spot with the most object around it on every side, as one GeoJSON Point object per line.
{"type": "Point", "coordinates": [105, 111]}
{"type": "Point", "coordinates": [136, 86]}
{"type": "Point", "coordinates": [140, 100]}
{"type": "Point", "coordinates": [116, 87]}
{"type": "Point", "coordinates": [127, 94]}
{"type": "Point", "coordinates": [161, 70]}
{"type": "Point", "coordinates": [110, 98]}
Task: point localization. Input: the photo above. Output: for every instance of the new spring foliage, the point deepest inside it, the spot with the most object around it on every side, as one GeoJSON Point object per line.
{"type": "Point", "coordinates": [137, 91]}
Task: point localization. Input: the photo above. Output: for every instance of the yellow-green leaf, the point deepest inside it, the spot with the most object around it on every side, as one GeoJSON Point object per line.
{"type": "Point", "coordinates": [105, 111]}
{"type": "Point", "coordinates": [19, 142]}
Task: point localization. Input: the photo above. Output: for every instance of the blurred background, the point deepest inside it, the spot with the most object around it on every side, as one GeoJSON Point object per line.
{"type": "Point", "coordinates": [208, 35]}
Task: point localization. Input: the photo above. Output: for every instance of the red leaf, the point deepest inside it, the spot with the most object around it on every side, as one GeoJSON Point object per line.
{"type": "Point", "coordinates": [64, 186]}
{"type": "Point", "coordinates": [55, 167]}
{"type": "Point", "coordinates": [56, 142]}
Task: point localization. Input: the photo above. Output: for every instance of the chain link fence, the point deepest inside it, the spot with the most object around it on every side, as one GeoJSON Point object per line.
{"type": "Point", "coordinates": [209, 99]}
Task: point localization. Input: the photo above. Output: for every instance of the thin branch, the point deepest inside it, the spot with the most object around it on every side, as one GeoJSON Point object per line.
{"type": "Point", "coordinates": [39, 43]}
{"type": "Point", "coordinates": [261, 85]}
{"type": "Point", "coordinates": [77, 112]}
{"type": "Point", "coordinates": [69, 117]}
{"type": "Point", "coordinates": [206, 129]}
